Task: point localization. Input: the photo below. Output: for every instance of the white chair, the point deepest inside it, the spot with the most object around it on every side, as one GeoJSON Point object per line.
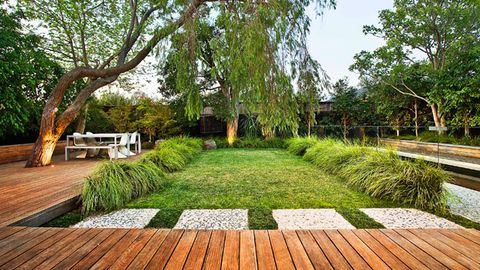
{"type": "Point", "coordinates": [121, 147]}
{"type": "Point", "coordinates": [133, 141]}
{"type": "Point", "coordinates": [92, 141]}
{"type": "Point", "coordinates": [78, 141]}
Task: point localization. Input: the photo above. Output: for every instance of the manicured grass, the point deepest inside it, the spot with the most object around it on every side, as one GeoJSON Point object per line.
{"type": "Point", "coordinates": [165, 218]}
{"type": "Point", "coordinates": [360, 219]}
{"type": "Point", "coordinates": [254, 179]}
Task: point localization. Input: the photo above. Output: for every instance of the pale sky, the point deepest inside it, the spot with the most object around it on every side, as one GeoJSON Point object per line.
{"type": "Point", "coordinates": [334, 39]}
{"type": "Point", "coordinates": [337, 36]}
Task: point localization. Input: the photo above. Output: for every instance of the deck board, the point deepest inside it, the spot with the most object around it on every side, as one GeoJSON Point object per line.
{"type": "Point", "coordinates": [26, 192]}
{"type": "Point", "coordinates": [56, 248]}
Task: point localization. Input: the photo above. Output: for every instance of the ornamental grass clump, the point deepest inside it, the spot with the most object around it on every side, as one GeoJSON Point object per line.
{"type": "Point", "coordinates": [385, 175]}
{"type": "Point", "coordinates": [144, 177]}
{"type": "Point", "coordinates": [331, 155]}
{"type": "Point", "coordinates": [108, 188]}
{"type": "Point", "coordinates": [298, 146]}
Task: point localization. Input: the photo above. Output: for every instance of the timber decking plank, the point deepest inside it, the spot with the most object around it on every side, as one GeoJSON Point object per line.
{"type": "Point", "coordinates": [35, 240]}
{"type": "Point", "coordinates": [161, 257]}
{"type": "Point", "coordinates": [17, 261]}
{"type": "Point", "coordinates": [298, 253]}
{"type": "Point", "coordinates": [265, 258]}
{"type": "Point", "coordinates": [280, 251]}
{"type": "Point", "coordinates": [433, 240]}
{"type": "Point", "coordinates": [199, 249]}
{"type": "Point", "coordinates": [7, 231]}
{"type": "Point", "coordinates": [132, 251]}
{"type": "Point", "coordinates": [248, 257]}
{"type": "Point", "coordinates": [180, 254]}
{"type": "Point", "coordinates": [100, 250]}
{"type": "Point", "coordinates": [72, 258]}
{"type": "Point", "coordinates": [432, 251]}
{"type": "Point", "coordinates": [368, 255]}
{"type": "Point", "coordinates": [213, 259]}
{"type": "Point", "coordinates": [49, 259]}
{"type": "Point", "coordinates": [148, 251]}
{"type": "Point", "coordinates": [17, 239]}
{"type": "Point", "coordinates": [353, 258]}
{"type": "Point", "coordinates": [231, 252]}
{"type": "Point", "coordinates": [414, 250]}
{"type": "Point", "coordinates": [472, 235]}
{"type": "Point", "coordinates": [315, 253]}
{"type": "Point", "coordinates": [333, 254]}
{"type": "Point", "coordinates": [391, 260]}
{"type": "Point", "coordinates": [458, 239]}
{"type": "Point", "coordinates": [117, 249]}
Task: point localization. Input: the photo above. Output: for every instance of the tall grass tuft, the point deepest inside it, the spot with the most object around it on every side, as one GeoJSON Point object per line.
{"type": "Point", "coordinates": [298, 146]}
{"type": "Point", "coordinates": [385, 175]}
{"type": "Point", "coordinates": [107, 189]}
{"type": "Point", "coordinates": [382, 174]}
{"type": "Point", "coordinates": [144, 177]}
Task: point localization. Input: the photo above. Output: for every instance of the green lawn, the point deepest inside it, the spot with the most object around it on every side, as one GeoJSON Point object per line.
{"type": "Point", "coordinates": [256, 179]}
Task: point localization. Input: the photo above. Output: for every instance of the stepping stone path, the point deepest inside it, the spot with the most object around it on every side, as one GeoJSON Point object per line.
{"type": "Point", "coordinates": [125, 218]}
{"type": "Point", "coordinates": [294, 219]}
{"type": "Point", "coordinates": [397, 218]}
{"type": "Point", "coordinates": [218, 219]}
{"type": "Point", "coordinates": [464, 202]}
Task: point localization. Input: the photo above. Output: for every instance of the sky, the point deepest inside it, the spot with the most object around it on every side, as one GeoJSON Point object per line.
{"type": "Point", "coordinates": [337, 36]}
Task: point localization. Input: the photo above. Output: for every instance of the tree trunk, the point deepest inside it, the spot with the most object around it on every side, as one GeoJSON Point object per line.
{"type": "Point", "coordinates": [416, 118]}
{"type": "Point", "coordinates": [232, 128]}
{"type": "Point", "coordinates": [52, 128]}
{"type": "Point", "coordinates": [466, 126]}
{"type": "Point", "coordinates": [82, 120]}
{"type": "Point", "coordinates": [345, 129]}
{"type": "Point", "coordinates": [309, 128]}
{"type": "Point", "coordinates": [397, 128]}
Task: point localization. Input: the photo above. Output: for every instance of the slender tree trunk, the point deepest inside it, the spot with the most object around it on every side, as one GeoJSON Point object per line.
{"type": "Point", "coordinates": [466, 126]}
{"type": "Point", "coordinates": [344, 128]}
{"type": "Point", "coordinates": [82, 120]}
{"type": "Point", "coordinates": [309, 127]}
{"type": "Point", "coordinates": [397, 129]}
{"type": "Point", "coordinates": [416, 118]}
{"type": "Point", "coordinates": [232, 129]}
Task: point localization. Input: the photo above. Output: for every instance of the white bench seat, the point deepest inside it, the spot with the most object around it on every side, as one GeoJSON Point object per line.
{"type": "Point", "coordinates": [74, 147]}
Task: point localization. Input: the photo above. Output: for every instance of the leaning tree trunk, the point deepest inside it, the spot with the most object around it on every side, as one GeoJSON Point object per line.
{"type": "Point", "coordinates": [52, 127]}
{"type": "Point", "coordinates": [82, 120]}
{"type": "Point", "coordinates": [416, 118]}
{"type": "Point", "coordinates": [232, 129]}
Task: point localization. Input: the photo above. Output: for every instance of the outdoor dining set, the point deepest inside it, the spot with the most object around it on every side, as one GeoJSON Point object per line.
{"type": "Point", "coordinates": [115, 145]}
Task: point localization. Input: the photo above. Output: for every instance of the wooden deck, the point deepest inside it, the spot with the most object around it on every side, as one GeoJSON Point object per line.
{"type": "Point", "coordinates": [54, 248]}
{"type": "Point", "coordinates": [29, 195]}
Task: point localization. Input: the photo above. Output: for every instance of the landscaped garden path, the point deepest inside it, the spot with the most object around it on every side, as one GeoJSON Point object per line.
{"type": "Point", "coordinates": [263, 189]}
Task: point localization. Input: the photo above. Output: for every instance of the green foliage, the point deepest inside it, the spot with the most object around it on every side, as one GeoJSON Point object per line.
{"type": "Point", "coordinates": [298, 146]}
{"type": "Point", "coordinates": [382, 174]}
{"type": "Point", "coordinates": [249, 142]}
{"type": "Point", "coordinates": [385, 175]}
{"type": "Point", "coordinates": [108, 188]}
{"type": "Point", "coordinates": [143, 176]}
{"type": "Point", "coordinates": [66, 220]}
{"type": "Point", "coordinates": [27, 76]}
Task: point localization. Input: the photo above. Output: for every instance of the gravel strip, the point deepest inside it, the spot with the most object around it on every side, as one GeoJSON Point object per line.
{"type": "Point", "coordinates": [213, 219]}
{"type": "Point", "coordinates": [296, 219]}
{"type": "Point", "coordinates": [397, 218]}
{"type": "Point", "coordinates": [464, 202]}
{"type": "Point", "coordinates": [125, 218]}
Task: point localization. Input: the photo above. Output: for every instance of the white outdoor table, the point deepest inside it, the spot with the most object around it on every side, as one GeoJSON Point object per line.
{"type": "Point", "coordinates": [113, 136]}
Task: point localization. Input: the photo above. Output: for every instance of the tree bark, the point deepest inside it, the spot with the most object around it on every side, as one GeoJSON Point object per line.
{"type": "Point", "coordinates": [466, 126]}
{"type": "Point", "coordinates": [82, 120]}
{"type": "Point", "coordinates": [232, 129]}
{"type": "Point", "coordinates": [345, 128]}
{"type": "Point", "coordinates": [52, 128]}
{"type": "Point", "coordinates": [416, 118]}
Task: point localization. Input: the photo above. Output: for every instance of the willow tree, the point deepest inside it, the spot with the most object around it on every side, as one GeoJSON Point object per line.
{"type": "Point", "coordinates": [103, 39]}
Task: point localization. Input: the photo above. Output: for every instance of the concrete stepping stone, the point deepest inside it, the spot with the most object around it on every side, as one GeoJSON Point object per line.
{"type": "Point", "coordinates": [296, 219]}
{"type": "Point", "coordinates": [125, 218]}
{"type": "Point", "coordinates": [464, 202]}
{"type": "Point", "coordinates": [397, 218]}
{"type": "Point", "coordinates": [213, 219]}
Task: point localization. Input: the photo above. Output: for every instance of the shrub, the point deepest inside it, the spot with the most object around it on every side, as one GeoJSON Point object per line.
{"type": "Point", "coordinates": [385, 175]}
{"type": "Point", "coordinates": [143, 176]}
{"type": "Point", "coordinates": [171, 159]}
{"type": "Point", "coordinates": [298, 146]}
{"type": "Point", "coordinates": [108, 188]}
{"type": "Point", "coordinates": [251, 143]}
